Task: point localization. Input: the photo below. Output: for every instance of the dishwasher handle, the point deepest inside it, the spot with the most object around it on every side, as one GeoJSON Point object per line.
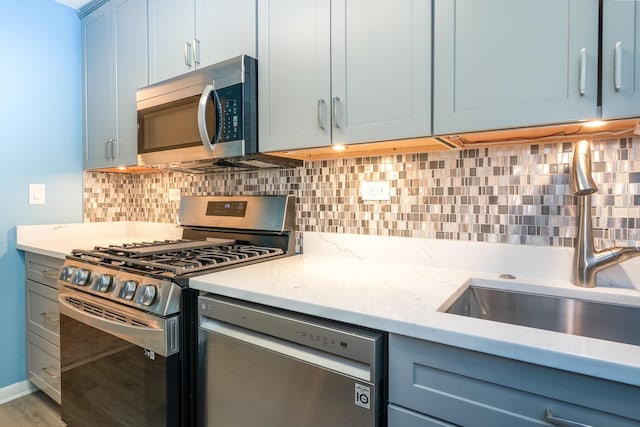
{"type": "Point", "coordinates": [310, 355]}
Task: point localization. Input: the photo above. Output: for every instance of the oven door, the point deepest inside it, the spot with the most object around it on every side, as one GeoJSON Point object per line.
{"type": "Point", "coordinates": [108, 378]}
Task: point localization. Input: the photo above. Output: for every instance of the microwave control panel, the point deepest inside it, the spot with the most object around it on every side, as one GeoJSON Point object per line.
{"type": "Point", "coordinates": [231, 113]}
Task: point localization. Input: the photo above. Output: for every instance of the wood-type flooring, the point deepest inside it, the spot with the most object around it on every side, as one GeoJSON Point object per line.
{"type": "Point", "coordinates": [33, 410]}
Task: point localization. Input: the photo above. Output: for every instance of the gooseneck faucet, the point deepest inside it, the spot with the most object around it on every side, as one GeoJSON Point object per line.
{"type": "Point", "coordinates": [587, 261]}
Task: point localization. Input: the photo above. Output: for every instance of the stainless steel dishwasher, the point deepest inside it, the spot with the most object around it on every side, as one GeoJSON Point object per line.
{"type": "Point", "coordinates": [261, 366]}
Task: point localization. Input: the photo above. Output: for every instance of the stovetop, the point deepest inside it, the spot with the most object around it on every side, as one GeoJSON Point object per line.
{"type": "Point", "coordinates": [219, 232]}
{"type": "Point", "coordinates": [173, 258]}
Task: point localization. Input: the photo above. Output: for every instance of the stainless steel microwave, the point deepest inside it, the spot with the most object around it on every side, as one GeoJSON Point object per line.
{"type": "Point", "coordinates": [210, 113]}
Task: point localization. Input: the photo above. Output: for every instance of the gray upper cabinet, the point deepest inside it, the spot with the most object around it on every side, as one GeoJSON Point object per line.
{"type": "Point", "coordinates": [341, 72]}
{"type": "Point", "coordinates": [620, 56]}
{"type": "Point", "coordinates": [171, 38]}
{"type": "Point", "coordinates": [115, 66]}
{"type": "Point", "coordinates": [294, 74]}
{"type": "Point", "coordinates": [185, 35]}
{"type": "Point", "coordinates": [380, 69]}
{"type": "Point", "coordinates": [505, 63]}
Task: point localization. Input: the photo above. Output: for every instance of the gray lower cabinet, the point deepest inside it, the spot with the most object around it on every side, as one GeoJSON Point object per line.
{"type": "Point", "coordinates": [434, 384]}
{"type": "Point", "coordinates": [43, 323]}
{"type": "Point", "coordinates": [397, 416]}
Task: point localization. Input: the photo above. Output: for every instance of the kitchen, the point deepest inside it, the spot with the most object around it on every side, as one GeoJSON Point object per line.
{"type": "Point", "coordinates": [511, 194]}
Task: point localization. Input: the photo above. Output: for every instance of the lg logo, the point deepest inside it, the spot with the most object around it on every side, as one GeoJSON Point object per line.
{"type": "Point", "coordinates": [363, 396]}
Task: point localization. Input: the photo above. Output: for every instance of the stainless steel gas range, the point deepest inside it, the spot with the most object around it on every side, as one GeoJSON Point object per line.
{"type": "Point", "coordinates": [128, 331]}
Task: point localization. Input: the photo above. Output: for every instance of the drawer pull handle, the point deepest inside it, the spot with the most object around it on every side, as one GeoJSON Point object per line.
{"type": "Point", "coordinates": [562, 422]}
{"type": "Point", "coordinates": [49, 317]}
{"type": "Point", "coordinates": [49, 374]}
{"type": "Point", "coordinates": [52, 274]}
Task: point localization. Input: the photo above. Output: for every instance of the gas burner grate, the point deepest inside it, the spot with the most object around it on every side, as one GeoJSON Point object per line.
{"type": "Point", "coordinates": [173, 258]}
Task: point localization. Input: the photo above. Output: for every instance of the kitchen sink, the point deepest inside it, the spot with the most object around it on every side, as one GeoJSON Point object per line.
{"type": "Point", "coordinates": [607, 321]}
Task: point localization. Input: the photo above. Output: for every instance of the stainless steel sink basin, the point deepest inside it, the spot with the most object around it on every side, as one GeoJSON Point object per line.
{"type": "Point", "coordinates": [607, 321]}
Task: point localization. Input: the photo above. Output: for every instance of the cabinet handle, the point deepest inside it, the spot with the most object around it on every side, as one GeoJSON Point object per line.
{"type": "Point", "coordinates": [49, 374]}
{"type": "Point", "coordinates": [617, 67]}
{"type": "Point", "coordinates": [187, 54]}
{"type": "Point", "coordinates": [50, 318]}
{"type": "Point", "coordinates": [107, 149]}
{"type": "Point", "coordinates": [51, 274]}
{"type": "Point", "coordinates": [582, 80]}
{"type": "Point", "coordinates": [334, 107]}
{"type": "Point", "coordinates": [196, 51]}
{"type": "Point", "coordinates": [562, 422]}
{"type": "Point", "coordinates": [114, 149]}
{"type": "Point", "coordinates": [321, 113]}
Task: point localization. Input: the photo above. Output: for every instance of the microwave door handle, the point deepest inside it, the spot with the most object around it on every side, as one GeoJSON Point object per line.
{"type": "Point", "coordinates": [218, 107]}
{"type": "Point", "coordinates": [202, 117]}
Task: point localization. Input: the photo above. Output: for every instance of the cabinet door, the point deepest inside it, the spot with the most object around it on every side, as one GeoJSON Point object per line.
{"type": "Point", "coordinates": [43, 269]}
{"type": "Point", "coordinates": [401, 417]}
{"type": "Point", "coordinates": [294, 70]}
{"type": "Point", "coordinates": [505, 63]}
{"type": "Point", "coordinates": [225, 29]}
{"type": "Point", "coordinates": [130, 20]}
{"type": "Point", "coordinates": [171, 36]}
{"type": "Point", "coordinates": [381, 69]}
{"type": "Point", "coordinates": [462, 387]}
{"type": "Point", "coordinates": [43, 365]}
{"type": "Point", "coordinates": [99, 94]}
{"type": "Point", "coordinates": [620, 56]}
{"type": "Point", "coordinates": [43, 317]}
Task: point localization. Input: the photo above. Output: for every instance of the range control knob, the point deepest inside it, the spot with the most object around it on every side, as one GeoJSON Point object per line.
{"type": "Point", "coordinates": [147, 295]}
{"type": "Point", "coordinates": [66, 273]}
{"type": "Point", "coordinates": [81, 277]}
{"type": "Point", "coordinates": [102, 282]}
{"type": "Point", "coordinates": [128, 289]}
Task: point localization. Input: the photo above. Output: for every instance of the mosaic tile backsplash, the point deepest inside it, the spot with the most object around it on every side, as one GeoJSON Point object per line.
{"type": "Point", "coordinates": [519, 194]}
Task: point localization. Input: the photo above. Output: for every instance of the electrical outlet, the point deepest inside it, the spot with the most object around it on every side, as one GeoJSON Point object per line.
{"type": "Point", "coordinates": [174, 194]}
{"type": "Point", "coordinates": [375, 190]}
{"type": "Point", "coordinates": [36, 194]}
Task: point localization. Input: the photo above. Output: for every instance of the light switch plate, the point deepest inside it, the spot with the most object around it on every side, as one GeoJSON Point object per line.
{"type": "Point", "coordinates": [36, 194]}
{"type": "Point", "coordinates": [375, 190]}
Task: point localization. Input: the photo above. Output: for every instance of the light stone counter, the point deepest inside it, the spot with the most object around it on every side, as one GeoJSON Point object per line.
{"type": "Point", "coordinates": [397, 285]}
{"type": "Point", "coordinates": [58, 240]}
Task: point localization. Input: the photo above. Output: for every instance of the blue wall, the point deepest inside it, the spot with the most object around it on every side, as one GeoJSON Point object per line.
{"type": "Point", "coordinates": [40, 142]}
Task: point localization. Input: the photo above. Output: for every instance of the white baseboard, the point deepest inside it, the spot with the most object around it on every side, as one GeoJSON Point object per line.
{"type": "Point", "coordinates": [15, 391]}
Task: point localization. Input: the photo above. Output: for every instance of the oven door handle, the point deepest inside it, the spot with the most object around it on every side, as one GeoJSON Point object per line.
{"type": "Point", "coordinates": [157, 334]}
{"type": "Point", "coordinates": [296, 351]}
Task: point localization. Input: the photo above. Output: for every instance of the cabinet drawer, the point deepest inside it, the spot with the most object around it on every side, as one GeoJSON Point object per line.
{"type": "Point", "coordinates": [463, 387]}
{"type": "Point", "coordinates": [401, 417]}
{"type": "Point", "coordinates": [42, 311]}
{"type": "Point", "coordinates": [43, 360]}
{"type": "Point", "coordinates": [43, 269]}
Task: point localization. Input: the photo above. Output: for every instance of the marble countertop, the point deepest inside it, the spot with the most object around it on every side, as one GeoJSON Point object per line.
{"type": "Point", "coordinates": [398, 285]}
{"type": "Point", "coordinates": [58, 240]}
